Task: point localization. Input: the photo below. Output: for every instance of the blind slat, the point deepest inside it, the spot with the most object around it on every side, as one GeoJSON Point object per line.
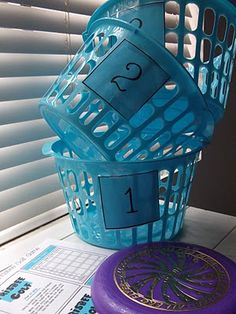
{"type": "Point", "coordinates": [24, 87]}
{"type": "Point", "coordinates": [19, 111]}
{"type": "Point", "coordinates": [86, 7]}
{"type": "Point", "coordinates": [28, 87]}
{"type": "Point", "coordinates": [22, 153]}
{"type": "Point", "coordinates": [29, 191]}
{"type": "Point", "coordinates": [22, 174]}
{"type": "Point", "coordinates": [22, 41]}
{"type": "Point", "coordinates": [19, 65]}
{"type": "Point", "coordinates": [42, 20]}
{"type": "Point", "coordinates": [30, 209]}
{"type": "Point", "coordinates": [23, 132]}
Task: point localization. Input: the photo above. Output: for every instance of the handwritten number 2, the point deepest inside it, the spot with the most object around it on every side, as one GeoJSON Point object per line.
{"type": "Point", "coordinates": [137, 21]}
{"type": "Point", "coordinates": [129, 66]}
{"type": "Point", "coordinates": [132, 210]}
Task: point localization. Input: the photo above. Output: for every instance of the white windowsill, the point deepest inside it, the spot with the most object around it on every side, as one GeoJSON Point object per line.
{"type": "Point", "coordinates": [213, 230]}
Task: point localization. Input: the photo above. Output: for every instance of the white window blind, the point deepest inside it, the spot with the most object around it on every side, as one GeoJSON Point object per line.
{"type": "Point", "coordinates": [37, 39]}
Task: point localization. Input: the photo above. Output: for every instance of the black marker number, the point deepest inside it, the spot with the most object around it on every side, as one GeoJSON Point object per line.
{"type": "Point", "coordinates": [132, 210]}
{"type": "Point", "coordinates": [137, 21]}
{"type": "Point", "coordinates": [129, 67]}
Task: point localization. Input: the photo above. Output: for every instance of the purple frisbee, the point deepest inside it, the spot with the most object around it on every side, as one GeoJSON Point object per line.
{"type": "Point", "coordinates": [165, 277]}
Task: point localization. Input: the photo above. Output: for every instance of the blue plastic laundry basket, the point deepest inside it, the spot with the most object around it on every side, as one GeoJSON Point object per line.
{"type": "Point", "coordinates": [205, 28]}
{"type": "Point", "coordinates": [148, 15]}
{"type": "Point", "coordinates": [135, 102]}
{"type": "Point", "coordinates": [117, 204]}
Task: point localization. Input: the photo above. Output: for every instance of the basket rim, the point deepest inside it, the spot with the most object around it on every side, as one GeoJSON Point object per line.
{"type": "Point", "coordinates": [228, 4]}
{"type": "Point", "coordinates": [48, 150]}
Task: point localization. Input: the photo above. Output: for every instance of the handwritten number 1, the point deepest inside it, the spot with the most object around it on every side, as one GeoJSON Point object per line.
{"type": "Point", "coordinates": [132, 210]}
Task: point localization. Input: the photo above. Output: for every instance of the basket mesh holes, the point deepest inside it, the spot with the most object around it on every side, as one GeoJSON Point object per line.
{"type": "Point", "coordinates": [175, 110]}
{"type": "Point", "coordinates": [84, 70]}
{"type": "Point", "coordinates": [63, 84]}
{"type": "Point", "coordinates": [90, 112]}
{"type": "Point", "coordinates": [82, 179]}
{"type": "Point", "coordinates": [129, 148]}
{"type": "Point", "coordinates": [77, 205]}
{"type": "Point", "coordinates": [164, 176]}
{"type": "Point", "coordinates": [179, 151]}
{"type": "Point", "coordinates": [78, 65]}
{"type": "Point", "coordinates": [218, 57]}
{"type": "Point", "coordinates": [155, 147]}
{"type": "Point", "coordinates": [117, 137]}
{"type": "Point", "coordinates": [77, 101]}
{"type": "Point", "coordinates": [170, 85]}
{"type": "Point", "coordinates": [206, 50]}
{"type": "Point", "coordinates": [69, 90]}
{"type": "Point", "coordinates": [230, 37]}
{"type": "Point", "coordinates": [142, 155]}
{"type": "Point", "coordinates": [152, 128]}
{"type": "Point", "coordinates": [191, 22]}
{"type": "Point", "coordinates": [223, 90]}
{"type": "Point", "coordinates": [167, 149]}
{"type": "Point", "coordinates": [66, 153]}
{"type": "Point", "coordinates": [165, 94]}
{"type": "Point", "coordinates": [214, 84]}
{"type": "Point", "coordinates": [104, 44]}
{"type": "Point", "coordinates": [142, 115]}
{"type": "Point", "coordinates": [91, 64]}
{"type": "Point", "coordinates": [86, 203]}
{"type": "Point", "coordinates": [177, 179]}
{"type": "Point", "coordinates": [203, 78]}
{"type": "Point", "coordinates": [222, 25]}
{"type": "Point", "coordinates": [209, 21]}
{"type": "Point", "coordinates": [91, 191]}
{"type": "Point", "coordinates": [173, 203]}
{"type": "Point", "coordinates": [171, 42]}
{"type": "Point", "coordinates": [190, 52]}
{"type": "Point", "coordinates": [51, 98]}
{"type": "Point", "coordinates": [183, 123]}
{"type": "Point", "coordinates": [226, 63]}
{"type": "Point", "coordinates": [190, 68]}
{"type": "Point", "coordinates": [62, 177]}
{"type": "Point", "coordinates": [102, 127]}
{"type": "Point", "coordinates": [172, 11]}
{"type": "Point", "coordinates": [188, 150]}
{"type": "Point", "coordinates": [72, 180]}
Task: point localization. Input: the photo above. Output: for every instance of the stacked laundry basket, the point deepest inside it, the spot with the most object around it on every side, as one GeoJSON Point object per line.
{"type": "Point", "coordinates": [133, 115]}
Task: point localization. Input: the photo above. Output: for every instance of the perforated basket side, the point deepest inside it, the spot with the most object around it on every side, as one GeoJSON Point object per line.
{"type": "Point", "coordinates": [81, 184]}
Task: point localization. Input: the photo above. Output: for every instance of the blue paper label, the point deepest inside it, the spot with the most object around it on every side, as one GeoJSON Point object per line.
{"type": "Point", "coordinates": [129, 200]}
{"type": "Point", "coordinates": [126, 79]}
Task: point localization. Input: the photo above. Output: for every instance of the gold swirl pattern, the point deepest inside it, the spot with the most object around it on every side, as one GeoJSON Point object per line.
{"type": "Point", "coordinates": [172, 278]}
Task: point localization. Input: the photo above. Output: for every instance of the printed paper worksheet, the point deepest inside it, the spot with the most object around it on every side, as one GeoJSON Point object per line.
{"type": "Point", "coordinates": [54, 278]}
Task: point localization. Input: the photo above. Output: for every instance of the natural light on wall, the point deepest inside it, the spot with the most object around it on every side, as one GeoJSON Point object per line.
{"type": "Point", "coordinates": [37, 39]}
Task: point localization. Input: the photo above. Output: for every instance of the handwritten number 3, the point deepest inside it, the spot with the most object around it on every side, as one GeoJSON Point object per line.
{"type": "Point", "coordinates": [129, 66]}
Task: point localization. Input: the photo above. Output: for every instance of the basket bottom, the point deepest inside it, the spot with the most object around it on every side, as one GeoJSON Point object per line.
{"type": "Point", "coordinates": [167, 228]}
